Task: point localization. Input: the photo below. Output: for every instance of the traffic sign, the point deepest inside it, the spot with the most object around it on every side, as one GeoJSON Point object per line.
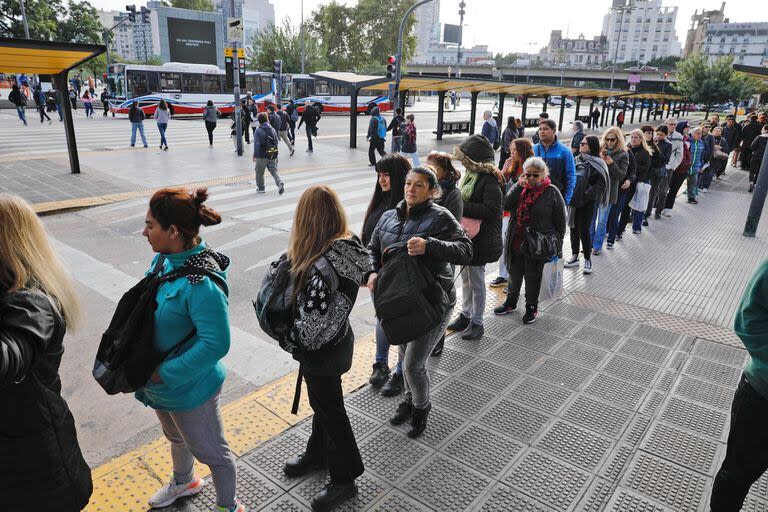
{"type": "Point", "coordinates": [234, 33]}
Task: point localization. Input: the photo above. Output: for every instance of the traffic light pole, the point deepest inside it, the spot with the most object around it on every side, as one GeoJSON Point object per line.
{"type": "Point", "coordinates": [398, 73]}
{"type": "Point", "coordinates": [236, 88]}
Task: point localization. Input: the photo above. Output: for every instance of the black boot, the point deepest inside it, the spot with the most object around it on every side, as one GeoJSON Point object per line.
{"type": "Point", "coordinates": [394, 385]}
{"type": "Point", "coordinates": [301, 465]}
{"type": "Point", "coordinates": [333, 495]}
{"type": "Point", "coordinates": [439, 347]}
{"type": "Point", "coordinates": [419, 421]}
{"type": "Point", "coordinates": [379, 375]}
{"type": "Point", "coordinates": [402, 413]}
{"type": "Point", "coordinates": [473, 332]}
{"type": "Point", "coordinates": [461, 323]}
{"type": "Point", "coordinates": [510, 304]}
{"type": "Point", "coordinates": [531, 312]}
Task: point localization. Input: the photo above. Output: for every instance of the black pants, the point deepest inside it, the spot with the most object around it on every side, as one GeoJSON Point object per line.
{"type": "Point", "coordinates": [745, 156]}
{"type": "Point", "coordinates": [292, 131]}
{"type": "Point", "coordinates": [209, 127]}
{"type": "Point", "coordinates": [754, 170]}
{"type": "Point", "coordinates": [676, 180]}
{"type": "Point", "coordinates": [527, 269]}
{"type": "Point", "coordinates": [746, 456]}
{"type": "Point", "coordinates": [580, 230]}
{"type": "Point", "coordinates": [41, 110]}
{"type": "Point", "coordinates": [626, 213]}
{"type": "Point", "coordinates": [247, 133]}
{"type": "Point", "coordinates": [310, 130]}
{"type": "Point", "coordinates": [373, 146]}
{"type": "Point", "coordinates": [332, 439]}
{"type": "Point", "coordinates": [106, 107]}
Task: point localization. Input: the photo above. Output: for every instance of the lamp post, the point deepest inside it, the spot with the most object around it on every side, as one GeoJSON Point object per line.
{"type": "Point", "coordinates": [621, 10]}
{"type": "Point", "coordinates": [24, 19]}
{"type": "Point", "coordinates": [301, 30]}
{"type": "Point", "coordinates": [398, 64]}
{"type": "Point", "coordinates": [462, 5]}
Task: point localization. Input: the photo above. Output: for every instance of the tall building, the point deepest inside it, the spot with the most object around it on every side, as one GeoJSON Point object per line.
{"type": "Point", "coordinates": [184, 35]}
{"type": "Point", "coordinates": [579, 52]}
{"type": "Point", "coordinates": [698, 30]}
{"type": "Point", "coordinates": [747, 43]}
{"type": "Point", "coordinates": [131, 40]}
{"type": "Point", "coordinates": [426, 29]}
{"type": "Point", "coordinates": [257, 15]}
{"type": "Point", "coordinates": [640, 30]}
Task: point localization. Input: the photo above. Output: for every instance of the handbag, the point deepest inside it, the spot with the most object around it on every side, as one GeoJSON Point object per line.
{"type": "Point", "coordinates": [720, 155]}
{"type": "Point", "coordinates": [471, 226]}
{"type": "Point", "coordinates": [639, 201]}
{"type": "Point", "coordinates": [542, 246]}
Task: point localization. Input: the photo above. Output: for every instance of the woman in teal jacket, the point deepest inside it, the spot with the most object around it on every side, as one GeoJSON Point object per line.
{"type": "Point", "coordinates": [184, 389]}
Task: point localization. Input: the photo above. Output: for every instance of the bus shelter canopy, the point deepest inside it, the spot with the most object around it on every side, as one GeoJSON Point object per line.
{"type": "Point", "coordinates": [755, 71]}
{"type": "Point", "coordinates": [43, 57]}
{"type": "Point", "coordinates": [350, 80]}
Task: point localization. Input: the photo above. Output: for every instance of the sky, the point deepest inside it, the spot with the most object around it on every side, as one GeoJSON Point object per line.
{"type": "Point", "coordinates": [508, 26]}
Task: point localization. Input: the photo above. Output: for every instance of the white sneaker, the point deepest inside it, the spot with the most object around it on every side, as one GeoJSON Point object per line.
{"type": "Point", "coordinates": [705, 190]}
{"type": "Point", "coordinates": [173, 491]}
{"type": "Point", "coordinates": [573, 261]}
{"type": "Point", "coordinates": [666, 213]}
{"type": "Point", "coordinates": [587, 266]}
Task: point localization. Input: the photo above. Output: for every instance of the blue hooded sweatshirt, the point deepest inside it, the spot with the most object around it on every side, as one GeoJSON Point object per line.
{"type": "Point", "coordinates": [562, 167]}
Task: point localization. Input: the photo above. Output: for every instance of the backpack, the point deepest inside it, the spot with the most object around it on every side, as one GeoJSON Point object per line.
{"type": "Point", "coordinates": [274, 305]}
{"type": "Point", "coordinates": [381, 127]}
{"type": "Point", "coordinates": [685, 165]}
{"type": "Point", "coordinates": [271, 149]}
{"type": "Point", "coordinates": [127, 356]}
{"type": "Point", "coordinates": [409, 138]}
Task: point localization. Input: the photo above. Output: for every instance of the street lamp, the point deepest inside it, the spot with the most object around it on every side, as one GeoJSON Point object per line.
{"type": "Point", "coordinates": [24, 19]}
{"type": "Point", "coordinates": [301, 30]}
{"type": "Point", "coordinates": [398, 71]}
{"type": "Point", "coordinates": [462, 5]}
{"type": "Point", "coordinates": [621, 10]}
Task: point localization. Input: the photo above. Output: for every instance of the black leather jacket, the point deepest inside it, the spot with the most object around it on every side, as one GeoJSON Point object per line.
{"type": "Point", "coordinates": [446, 241]}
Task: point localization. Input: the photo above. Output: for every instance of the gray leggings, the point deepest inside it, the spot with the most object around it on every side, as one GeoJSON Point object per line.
{"type": "Point", "coordinates": [414, 356]}
{"type": "Point", "coordinates": [199, 434]}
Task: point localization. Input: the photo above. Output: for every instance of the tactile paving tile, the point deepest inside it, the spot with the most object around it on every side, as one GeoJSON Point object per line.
{"type": "Point", "coordinates": [719, 353]}
{"type": "Point", "coordinates": [286, 503]}
{"type": "Point", "coordinates": [551, 481]}
{"type": "Point", "coordinates": [596, 497]}
{"type": "Point", "coordinates": [752, 504]}
{"type": "Point", "coordinates": [644, 351]}
{"type": "Point", "coordinates": [712, 372]}
{"type": "Point", "coordinates": [511, 355]}
{"type": "Point", "coordinates": [704, 392]}
{"type": "Point", "coordinates": [666, 381]}
{"type": "Point", "coordinates": [682, 447]}
{"type": "Point", "coordinates": [461, 397]}
{"type": "Point", "coordinates": [616, 462]}
{"type": "Point", "coordinates": [483, 450]}
{"type": "Point", "coordinates": [450, 361]}
{"type": "Point", "coordinates": [652, 403]}
{"type": "Point", "coordinates": [436, 378]}
{"type": "Point", "coordinates": [473, 347]}
{"type": "Point", "coordinates": [505, 499]}
{"type": "Point", "coordinates": [599, 338]}
{"type": "Point", "coordinates": [584, 355]}
{"type": "Point", "coordinates": [369, 402]}
{"type": "Point", "coordinates": [270, 457]}
{"type": "Point", "coordinates": [625, 501]}
{"type": "Point", "coordinates": [636, 430]}
{"type": "Point", "coordinates": [615, 390]}
{"type": "Point", "coordinates": [611, 323]}
{"type": "Point", "coordinates": [760, 488]}
{"type": "Point", "coordinates": [655, 335]}
{"type": "Point", "coordinates": [489, 376]}
{"type": "Point", "coordinates": [631, 369]}
{"type": "Point", "coordinates": [514, 420]}
{"type": "Point", "coordinates": [598, 416]}
{"type": "Point", "coordinates": [440, 426]}
{"type": "Point", "coordinates": [670, 484]}
{"type": "Point", "coordinates": [678, 360]}
{"type": "Point", "coordinates": [396, 501]}
{"type": "Point", "coordinates": [536, 340]}
{"type": "Point", "coordinates": [574, 444]}
{"type": "Point", "coordinates": [540, 394]}
{"type": "Point", "coordinates": [562, 373]}
{"type": "Point", "coordinates": [253, 490]}
{"type": "Point", "coordinates": [569, 311]}
{"type": "Point", "coordinates": [369, 489]}
{"type": "Point", "coordinates": [390, 454]}
{"type": "Point", "coordinates": [554, 325]}
{"type": "Point", "coordinates": [695, 417]}
{"type": "Point", "coordinates": [445, 484]}
{"type": "Point", "coordinates": [361, 425]}
{"type": "Point", "coordinates": [501, 327]}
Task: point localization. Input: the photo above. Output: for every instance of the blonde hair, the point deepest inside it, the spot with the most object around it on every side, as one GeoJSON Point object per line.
{"type": "Point", "coordinates": [319, 221]}
{"type": "Point", "coordinates": [643, 142]}
{"type": "Point", "coordinates": [621, 144]}
{"type": "Point", "coordinates": [537, 163]}
{"type": "Point", "coordinates": [29, 261]}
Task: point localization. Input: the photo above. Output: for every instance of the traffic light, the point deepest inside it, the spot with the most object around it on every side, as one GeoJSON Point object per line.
{"type": "Point", "coordinates": [144, 14]}
{"type": "Point", "coordinates": [666, 75]}
{"type": "Point", "coordinates": [391, 61]}
{"type": "Point", "coordinates": [131, 13]}
{"type": "Point", "coordinates": [277, 68]}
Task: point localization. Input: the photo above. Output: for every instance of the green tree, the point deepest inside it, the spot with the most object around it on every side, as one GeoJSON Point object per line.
{"type": "Point", "coordinates": [341, 47]}
{"type": "Point", "coordinates": [81, 25]}
{"type": "Point", "coordinates": [284, 42]}
{"type": "Point", "coordinates": [51, 20]}
{"type": "Point", "coordinates": [703, 82]}
{"type": "Point", "coordinates": [743, 86]}
{"type": "Point", "coordinates": [195, 5]}
{"type": "Point", "coordinates": [664, 62]}
{"type": "Point", "coordinates": [505, 59]}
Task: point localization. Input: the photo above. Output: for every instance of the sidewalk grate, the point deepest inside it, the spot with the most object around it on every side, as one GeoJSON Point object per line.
{"type": "Point", "coordinates": [712, 372]}
{"type": "Point", "coordinates": [514, 420]}
{"type": "Point", "coordinates": [644, 351]}
{"type": "Point", "coordinates": [615, 390]}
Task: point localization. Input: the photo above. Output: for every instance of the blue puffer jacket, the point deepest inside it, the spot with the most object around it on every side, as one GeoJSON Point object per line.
{"type": "Point", "coordinates": [194, 373]}
{"type": "Point", "coordinates": [562, 168]}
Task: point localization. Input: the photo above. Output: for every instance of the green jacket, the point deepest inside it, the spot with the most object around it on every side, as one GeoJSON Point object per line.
{"type": "Point", "coordinates": [751, 325]}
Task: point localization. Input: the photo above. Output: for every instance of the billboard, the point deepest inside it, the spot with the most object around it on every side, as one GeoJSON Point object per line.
{"type": "Point", "coordinates": [451, 34]}
{"type": "Point", "coordinates": [192, 41]}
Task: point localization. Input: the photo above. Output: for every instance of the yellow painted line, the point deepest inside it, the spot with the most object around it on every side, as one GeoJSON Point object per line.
{"type": "Point", "coordinates": [125, 483]}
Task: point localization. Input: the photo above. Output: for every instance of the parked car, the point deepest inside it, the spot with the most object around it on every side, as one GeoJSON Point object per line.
{"type": "Point", "coordinates": [557, 100]}
{"type": "Point", "coordinates": [620, 104]}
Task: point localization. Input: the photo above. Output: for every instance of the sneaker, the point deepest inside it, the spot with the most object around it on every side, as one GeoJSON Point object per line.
{"type": "Point", "coordinates": [705, 190]}
{"type": "Point", "coordinates": [531, 312]}
{"type": "Point", "coordinates": [506, 308]}
{"type": "Point", "coordinates": [239, 507]}
{"type": "Point", "coordinates": [394, 385]}
{"type": "Point", "coordinates": [310, 151]}
{"type": "Point", "coordinates": [666, 213]}
{"type": "Point", "coordinates": [645, 224]}
{"type": "Point", "coordinates": [281, 188]}
{"type": "Point", "coordinates": [619, 237]}
{"type": "Point", "coordinates": [499, 281]}
{"type": "Point", "coordinates": [596, 252]}
{"type": "Point", "coordinates": [173, 491]}
{"type": "Point", "coordinates": [473, 332]}
{"type": "Point", "coordinates": [461, 323]}
{"type": "Point", "coordinates": [636, 231]}
{"type": "Point", "coordinates": [133, 145]}
{"type": "Point", "coordinates": [609, 246]}
{"type": "Point", "coordinates": [293, 151]}
{"type": "Point", "coordinates": [380, 375]}
{"type": "Point", "coordinates": [261, 191]}
{"type": "Point", "coordinates": [751, 187]}
{"type": "Point", "coordinates": [588, 266]}
{"type": "Point", "coordinates": [657, 216]}
{"type": "Point", "coordinates": [692, 200]}
{"type": "Point", "coordinates": [573, 261]}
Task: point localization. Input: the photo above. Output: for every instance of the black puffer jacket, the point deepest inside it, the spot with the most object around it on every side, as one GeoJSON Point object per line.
{"type": "Point", "coordinates": [485, 204]}
{"type": "Point", "coordinates": [547, 214]}
{"type": "Point", "coordinates": [642, 164]}
{"type": "Point", "coordinates": [446, 241]}
{"type": "Point", "coordinates": [40, 459]}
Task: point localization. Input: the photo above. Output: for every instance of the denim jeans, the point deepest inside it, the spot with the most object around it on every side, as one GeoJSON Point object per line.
{"type": "Point", "coordinates": [637, 220]}
{"type": "Point", "coordinates": [414, 158]}
{"type": "Point", "coordinates": [88, 109]}
{"type": "Point", "coordinates": [473, 293]}
{"type": "Point", "coordinates": [58, 111]}
{"type": "Point", "coordinates": [599, 226]}
{"type": "Point", "coordinates": [693, 185]}
{"type": "Point", "coordinates": [613, 216]}
{"type": "Point", "coordinates": [502, 265]}
{"type": "Point", "coordinates": [396, 143]}
{"type": "Point", "coordinates": [22, 115]}
{"type": "Point", "coordinates": [382, 348]}
{"type": "Point", "coordinates": [414, 356]}
{"type": "Point", "coordinates": [161, 128]}
{"type": "Point", "coordinates": [140, 127]}
{"type": "Point", "coordinates": [705, 178]}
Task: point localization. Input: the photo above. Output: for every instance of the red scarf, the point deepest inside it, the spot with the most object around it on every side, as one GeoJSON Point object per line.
{"type": "Point", "coordinates": [528, 198]}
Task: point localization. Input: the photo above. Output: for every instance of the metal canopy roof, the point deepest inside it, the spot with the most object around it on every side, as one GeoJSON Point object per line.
{"type": "Point", "coordinates": [350, 79]}
{"type": "Point", "coordinates": [43, 57]}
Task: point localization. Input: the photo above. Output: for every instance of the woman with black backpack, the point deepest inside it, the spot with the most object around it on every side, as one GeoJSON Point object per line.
{"type": "Point", "coordinates": [184, 389]}
{"type": "Point", "coordinates": [430, 233]}
{"type": "Point", "coordinates": [327, 266]}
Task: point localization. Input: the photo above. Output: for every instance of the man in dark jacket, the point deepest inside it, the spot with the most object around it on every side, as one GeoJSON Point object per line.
{"type": "Point", "coordinates": [265, 153]}
{"type": "Point", "coordinates": [310, 117]}
{"type": "Point", "coordinates": [749, 132]}
{"type": "Point", "coordinates": [274, 119]}
{"type": "Point", "coordinates": [559, 159]}
{"type": "Point", "coordinates": [285, 123]}
{"type": "Point", "coordinates": [757, 150]}
{"type": "Point", "coordinates": [20, 101]}
{"type": "Point", "coordinates": [376, 126]}
{"type": "Point", "coordinates": [247, 120]}
{"type": "Point", "coordinates": [395, 126]}
{"type": "Point", "coordinates": [578, 135]}
{"type": "Point", "coordinates": [482, 193]}
{"type": "Point", "coordinates": [490, 129]}
{"type": "Point", "coordinates": [732, 135]}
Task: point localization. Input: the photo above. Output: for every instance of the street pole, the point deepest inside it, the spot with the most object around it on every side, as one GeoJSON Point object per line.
{"type": "Point", "coordinates": [461, 37]}
{"type": "Point", "coordinates": [24, 19]}
{"type": "Point", "coordinates": [616, 51]}
{"type": "Point", "coordinates": [758, 199]}
{"type": "Point", "coordinates": [238, 113]}
{"type": "Point", "coordinates": [398, 64]}
{"type": "Point", "coordinates": [301, 30]}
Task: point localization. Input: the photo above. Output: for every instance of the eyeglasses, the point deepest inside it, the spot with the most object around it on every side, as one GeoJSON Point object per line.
{"type": "Point", "coordinates": [531, 175]}
{"type": "Point", "coordinates": [611, 139]}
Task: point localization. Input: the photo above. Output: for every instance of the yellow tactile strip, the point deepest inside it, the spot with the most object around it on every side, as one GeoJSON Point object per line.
{"type": "Point", "coordinates": [125, 483]}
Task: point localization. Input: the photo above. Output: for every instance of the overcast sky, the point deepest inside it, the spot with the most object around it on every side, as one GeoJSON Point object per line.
{"type": "Point", "coordinates": [515, 26]}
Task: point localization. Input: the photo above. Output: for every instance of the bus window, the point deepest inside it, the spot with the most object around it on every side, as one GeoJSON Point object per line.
{"type": "Point", "coordinates": [322, 88]}
{"type": "Point", "coordinates": [192, 83]}
{"type": "Point", "coordinates": [212, 84]}
{"type": "Point", "coordinates": [302, 89]}
{"type": "Point", "coordinates": [138, 81]}
{"type": "Point", "coordinates": [170, 82]}
{"type": "Point", "coordinates": [252, 84]}
{"type": "Point", "coordinates": [266, 85]}
{"type": "Point", "coordinates": [153, 81]}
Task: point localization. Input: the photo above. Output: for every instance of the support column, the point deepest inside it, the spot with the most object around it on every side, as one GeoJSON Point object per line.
{"type": "Point", "coordinates": [502, 97]}
{"type": "Point", "coordinates": [634, 107]}
{"type": "Point", "coordinates": [440, 111]}
{"type": "Point", "coordinates": [578, 105]}
{"type": "Point", "coordinates": [613, 115]}
{"type": "Point", "coordinates": [60, 82]}
{"type": "Point", "coordinates": [473, 112]}
{"type": "Point", "coordinates": [562, 113]}
{"type": "Point", "coordinates": [524, 110]}
{"type": "Point", "coordinates": [642, 103]}
{"type": "Point", "coordinates": [602, 115]}
{"type": "Point", "coordinates": [353, 117]}
{"type": "Point", "coordinates": [650, 109]}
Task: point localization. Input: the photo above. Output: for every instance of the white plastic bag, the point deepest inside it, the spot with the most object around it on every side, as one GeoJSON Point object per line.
{"type": "Point", "coordinates": [639, 201]}
{"type": "Point", "coordinates": [552, 280]}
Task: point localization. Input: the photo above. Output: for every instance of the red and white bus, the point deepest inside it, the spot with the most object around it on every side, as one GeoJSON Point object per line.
{"type": "Point", "coordinates": [334, 98]}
